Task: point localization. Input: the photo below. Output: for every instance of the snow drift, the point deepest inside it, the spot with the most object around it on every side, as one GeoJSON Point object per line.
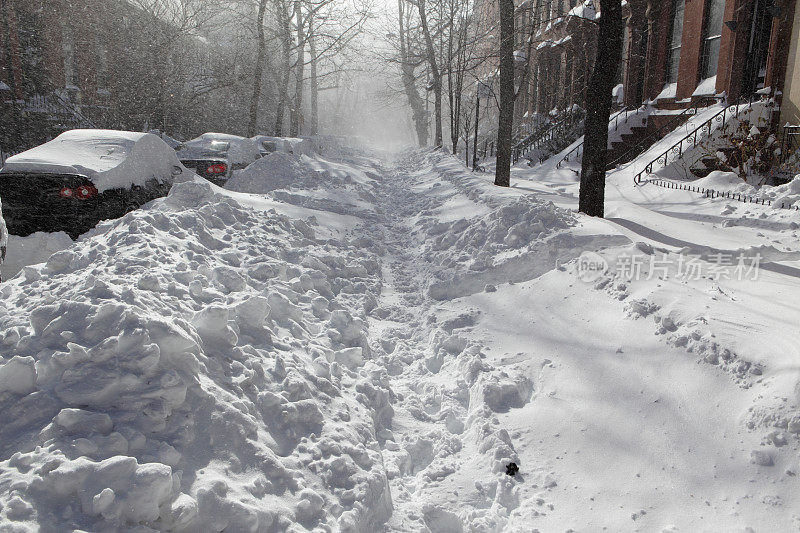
{"type": "Point", "coordinates": [192, 368]}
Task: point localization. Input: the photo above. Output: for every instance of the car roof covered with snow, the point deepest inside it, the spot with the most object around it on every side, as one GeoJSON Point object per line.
{"type": "Point", "coordinates": [201, 149]}
{"type": "Point", "coordinates": [110, 159]}
{"type": "Point", "coordinates": [294, 145]}
{"type": "Point", "coordinates": [241, 150]}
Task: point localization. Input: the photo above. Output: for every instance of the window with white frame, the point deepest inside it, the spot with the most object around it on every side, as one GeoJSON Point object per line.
{"type": "Point", "coordinates": [712, 35]}
{"type": "Point", "coordinates": [675, 36]}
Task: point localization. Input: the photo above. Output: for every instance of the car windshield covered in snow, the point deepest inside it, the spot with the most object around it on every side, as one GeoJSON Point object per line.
{"type": "Point", "coordinates": [84, 176]}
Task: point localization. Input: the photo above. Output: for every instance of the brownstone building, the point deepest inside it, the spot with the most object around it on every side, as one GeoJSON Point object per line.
{"type": "Point", "coordinates": [91, 63]}
{"type": "Point", "coordinates": [674, 52]}
{"type": "Point", "coordinates": [48, 45]}
{"type": "Point", "coordinates": [682, 49]}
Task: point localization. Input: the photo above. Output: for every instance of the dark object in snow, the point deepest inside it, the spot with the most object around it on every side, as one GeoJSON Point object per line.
{"type": "Point", "coordinates": [82, 177]}
{"type": "Point", "coordinates": [512, 469]}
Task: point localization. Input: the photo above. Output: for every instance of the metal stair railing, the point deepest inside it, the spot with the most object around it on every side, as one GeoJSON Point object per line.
{"type": "Point", "coordinates": [677, 149]}
{"type": "Point", "coordinates": [641, 145]}
{"type": "Point", "coordinates": [536, 139]}
{"type": "Point", "coordinates": [55, 105]}
{"type": "Point", "coordinates": [625, 112]}
{"type": "Point", "coordinates": [78, 118]}
{"type": "Point", "coordinates": [528, 140]}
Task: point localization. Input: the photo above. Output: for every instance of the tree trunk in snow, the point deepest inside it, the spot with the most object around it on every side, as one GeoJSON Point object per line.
{"type": "Point", "coordinates": [286, 64]}
{"type": "Point", "coordinates": [295, 113]}
{"type": "Point", "coordinates": [502, 176]}
{"type": "Point", "coordinates": [410, 83]}
{"type": "Point", "coordinates": [259, 70]}
{"type": "Point", "coordinates": [601, 85]}
{"type": "Point", "coordinates": [313, 124]}
{"type": "Point", "coordinates": [436, 74]}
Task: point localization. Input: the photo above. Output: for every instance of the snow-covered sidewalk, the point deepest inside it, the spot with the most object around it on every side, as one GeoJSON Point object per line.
{"type": "Point", "coordinates": [367, 344]}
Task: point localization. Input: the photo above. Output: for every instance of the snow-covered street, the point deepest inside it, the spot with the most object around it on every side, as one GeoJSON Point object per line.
{"type": "Point", "coordinates": [365, 342]}
{"type": "Point", "coordinates": [344, 266]}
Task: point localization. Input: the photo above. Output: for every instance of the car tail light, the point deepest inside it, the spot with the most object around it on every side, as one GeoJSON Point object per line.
{"type": "Point", "coordinates": [217, 169]}
{"type": "Point", "coordinates": [83, 192]}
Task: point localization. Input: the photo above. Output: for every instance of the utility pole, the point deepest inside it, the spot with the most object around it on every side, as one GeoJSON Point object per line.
{"type": "Point", "coordinates": [475, 138]}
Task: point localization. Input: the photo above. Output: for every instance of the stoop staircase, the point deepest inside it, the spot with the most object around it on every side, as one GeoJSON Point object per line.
{"type": "Point", "coordinates": [657, 126]}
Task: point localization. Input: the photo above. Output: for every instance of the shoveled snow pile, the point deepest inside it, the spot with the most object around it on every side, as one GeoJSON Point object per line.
{"type": "Point", "coordinates": [225, 361]}
{"type": "Point", "coordinates": [110, 159]}
{"type": "Point", "coordinates": [277, 170]}
{"type": "Point", "coordinates": [32, 249]}
{"type": "Point", "coordinates": [787, 194]}
{"type": "Point", "coordinates": [197, 367]}
{"type": "Point", "coordinates": [724, 181]}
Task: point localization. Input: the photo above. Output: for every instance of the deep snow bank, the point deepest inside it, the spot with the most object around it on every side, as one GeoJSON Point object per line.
{"type": "Point", "coordinates": [36, 248]}
{"type": "Point", "coordinates": [278, 170]}
{"type": "Point", "coordinates": [196, 367]}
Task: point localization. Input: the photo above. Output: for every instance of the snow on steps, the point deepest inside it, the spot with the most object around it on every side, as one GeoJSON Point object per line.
{"type": "Point", "coordinates": [191, 368]}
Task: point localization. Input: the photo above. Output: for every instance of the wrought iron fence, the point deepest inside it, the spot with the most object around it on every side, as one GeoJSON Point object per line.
{"type": "Point", "coordinates": [690, 140]}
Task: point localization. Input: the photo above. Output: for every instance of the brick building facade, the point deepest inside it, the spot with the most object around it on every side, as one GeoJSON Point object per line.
{"type": "Point", "coordinates": [682, 49]}
{"type": "Point", "coordinates": [48, 45]}
{"type": "Point", "coordinates": [674, 51]}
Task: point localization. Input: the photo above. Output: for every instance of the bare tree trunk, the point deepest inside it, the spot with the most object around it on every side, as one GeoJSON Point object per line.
{"type": "Point", "coordinates": [436, 74]}
{"type": "Point", "coordinates": [283, 83]}
{"type": "Point", "coordinates": [409, 82]}
{"type": "Point", "coordinates": [295, 113]}
{"type": "Point", "coordinates": [601, 84]}
{"type": "Point", "coordinates": [258, 73]}
{"type": "Point", "coordinates": [313, 125]}
{"type": "Point", "coordinates": [505, 124]}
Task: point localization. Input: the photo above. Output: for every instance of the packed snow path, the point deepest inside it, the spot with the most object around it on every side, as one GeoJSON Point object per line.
{"type": "Point", "coordinates": [365, 345]}
{"type": "Point", "coordinates": [611, 428]}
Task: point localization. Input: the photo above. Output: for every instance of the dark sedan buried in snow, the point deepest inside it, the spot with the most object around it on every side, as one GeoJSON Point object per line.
{"type": "Point", "coordinates": [215, 156]}
{"type": "Point", "coordinates": [82, 177]}
{"type": "Point", "coordinates": [209, 160]}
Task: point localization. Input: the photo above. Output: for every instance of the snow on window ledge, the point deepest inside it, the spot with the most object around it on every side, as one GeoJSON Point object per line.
{"type": "Point", "coordinates": [706, 87]}
{"type": "Point", "coordinates": [669, 91]}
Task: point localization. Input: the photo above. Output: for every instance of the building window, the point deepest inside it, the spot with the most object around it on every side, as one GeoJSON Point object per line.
{"type": "Point", "coordinates": [34, 77]}
{"type": "Point", "coordinates": [70, 56]}
{"type": "Point", "coordinates": [675, 36]}
{"type": "Point", "coordinates": [712, 35]}
{"type": "Point", "coordinates": [102, 65]}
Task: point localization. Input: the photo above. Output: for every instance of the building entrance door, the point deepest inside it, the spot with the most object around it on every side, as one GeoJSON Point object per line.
{"type": "Point", "coordinates": [755, 67]}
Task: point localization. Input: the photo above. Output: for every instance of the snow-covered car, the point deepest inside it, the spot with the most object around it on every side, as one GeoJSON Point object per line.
{"type": "Point", "coordinates": [82, 177]}
{"type": "Point", "coordinates": [215, 156]}
{"type": "Point", "coordinates": [171, 141]}
{"type": "Point", "coordinates": [267, 145]}
{"type": "Point", "coordinates": [290, 145]}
